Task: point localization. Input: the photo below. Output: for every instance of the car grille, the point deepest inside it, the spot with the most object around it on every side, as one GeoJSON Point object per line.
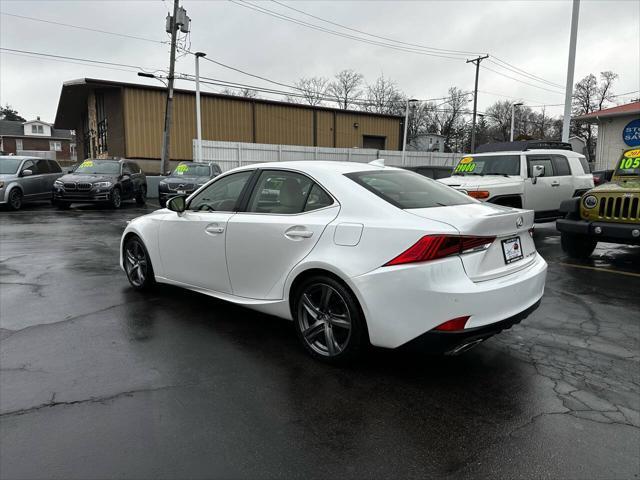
{"type": "Point", "coordinates": [72, 186]}
{"type": "Point", "coordinates": [186, 187]}
{"type": "Point", "coordinates": [619, 208]}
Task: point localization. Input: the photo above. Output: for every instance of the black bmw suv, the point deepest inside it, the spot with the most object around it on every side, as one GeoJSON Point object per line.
{"type": "Point", "coordinates": [185, 179]}
{"type": "Point", "coordinates": [110, 181]}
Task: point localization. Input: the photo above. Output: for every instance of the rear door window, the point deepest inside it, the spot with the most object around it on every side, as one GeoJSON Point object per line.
{"type": "Point", "coordinates": [561, 165]}
{"type": "Point", "coordinates": [54, 167]}
{"type": "Point", "coordinates": [41, 168]}
{"type": "Point", "coordinates": [280, 192]}
{"type": "Point", "coordinates": [585, 165]}
{"type": "Point", "coordinates": [408, 190]}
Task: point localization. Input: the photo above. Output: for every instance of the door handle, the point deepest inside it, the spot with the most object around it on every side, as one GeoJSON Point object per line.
{"type": "Point", "coordinates": [299, 234]}
{"type": "Point", "coordinates": [555, 184]}
{"type": "Point", "coordinates": [214, 229]}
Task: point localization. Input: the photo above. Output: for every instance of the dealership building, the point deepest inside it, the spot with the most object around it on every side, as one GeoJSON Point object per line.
{"type": "Point", "coordinates": [618, 130]}
{"type": "Point", "coordinates": [116, 119]}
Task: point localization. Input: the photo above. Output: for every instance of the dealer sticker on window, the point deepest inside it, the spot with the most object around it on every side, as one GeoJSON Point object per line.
{"type": "Point", "coordinates": [512, 250]}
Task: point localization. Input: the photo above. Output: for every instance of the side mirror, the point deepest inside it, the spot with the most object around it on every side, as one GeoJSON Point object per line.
{"type": "Point", "coordinates": [538, 171]}
{"type": "Point", "coordinates": [167, 173]}
{"type": "Point", "coordinates": [177, 204]}
{"type": "Point", "coordinates": [71, 170]}
{"type": "Point", "coordinates": [26, 173]}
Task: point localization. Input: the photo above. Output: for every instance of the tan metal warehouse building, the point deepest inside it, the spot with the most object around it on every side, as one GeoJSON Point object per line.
{"type": "Point", "coordinates": [116, 119]}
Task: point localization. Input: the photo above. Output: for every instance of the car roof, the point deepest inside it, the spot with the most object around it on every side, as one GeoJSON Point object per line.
{"type": "Point", "coordinates": [22, 157]}
{"type": "Point", "coordinates": [549, 151]}
{"type": "Point", "coordinates": [318, 166]}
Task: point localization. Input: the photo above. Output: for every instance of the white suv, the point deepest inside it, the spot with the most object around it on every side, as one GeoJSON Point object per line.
{"type": "Point", "coordinates": [535, 176]}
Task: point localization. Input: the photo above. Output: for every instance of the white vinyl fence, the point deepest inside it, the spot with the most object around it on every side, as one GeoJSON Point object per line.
{"type": "Point", "coordinates": [234, 154]}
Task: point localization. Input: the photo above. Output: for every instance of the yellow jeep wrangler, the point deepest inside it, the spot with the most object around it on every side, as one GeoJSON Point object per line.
{"type": "Point", "coordinates": [606, 213]}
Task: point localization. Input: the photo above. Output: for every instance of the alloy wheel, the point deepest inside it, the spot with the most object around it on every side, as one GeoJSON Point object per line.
{"type": "Point", "coordinates": [15, 199]}
{"type": "Point", "coordinates": [116, 200]}
{"type": "Point", "coordinates": [136, 263]}
{"type": "Point", "coordinates": [324, 320]}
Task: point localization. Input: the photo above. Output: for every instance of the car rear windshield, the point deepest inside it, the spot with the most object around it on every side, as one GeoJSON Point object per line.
{"type": "Point", "coordinates": [489, 165]}
{"type": "Point", "coordinates": [100, 167]}
{"type": "Point", "coordinates": [9, 165]}
{"type": "Point", "coordinates": [408, 190]}
{"type": "Point", "coordinates": [190, 170]}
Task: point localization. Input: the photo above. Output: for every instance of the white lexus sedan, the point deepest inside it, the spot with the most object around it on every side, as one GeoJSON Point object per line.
{"type": "Point", "coordinates": [355, 254]}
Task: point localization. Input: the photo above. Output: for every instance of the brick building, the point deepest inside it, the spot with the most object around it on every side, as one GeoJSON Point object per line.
{"type": "Point", "coordinates": [36, 138]}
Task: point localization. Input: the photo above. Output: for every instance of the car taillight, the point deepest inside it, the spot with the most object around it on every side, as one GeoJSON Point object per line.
{"type": "Point", "coordinates": [479, 194]}
{"type": "Point", "coordinates": [453, 324]}
{"type": "Point", "coordinates": [432, 247]}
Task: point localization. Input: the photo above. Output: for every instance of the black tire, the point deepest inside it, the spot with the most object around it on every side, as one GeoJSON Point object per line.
{"type": "Point", "coordinates": [577, 246]}
{"type": "Point", "coordinates": [322, 307]}
{"type": "Point", "coordinates": [15, 199]}
{"type": "Point", "coordinates": [137, 264]}
{"type": "Point", "coordinates": [62, 205]}
{"type": "Point", "coordinates": [115, 200]}
{"type": "Point", "coordinates": [141, 197]}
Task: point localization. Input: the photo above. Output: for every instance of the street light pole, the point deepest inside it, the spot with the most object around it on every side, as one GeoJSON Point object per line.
{"type": "Point", "coordinates": [568, 93]}
{"type": "Point", "coordinates": [406, 122]}
{"type": "Point", "coordinates": [513, 116]}
{"type": "Point", "coordinates": [198, 115]}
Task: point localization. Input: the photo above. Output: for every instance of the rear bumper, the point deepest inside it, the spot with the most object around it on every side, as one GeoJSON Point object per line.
{"type": "Point", "coordinates": [457, 342]}
{"type": "Point", "coordinates": [403, 303]}
{"type": "Point", "coordinates": [609, 231]}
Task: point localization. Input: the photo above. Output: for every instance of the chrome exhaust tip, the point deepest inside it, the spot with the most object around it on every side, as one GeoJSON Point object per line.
{"type": "Point", "coordinates": [465, 347]}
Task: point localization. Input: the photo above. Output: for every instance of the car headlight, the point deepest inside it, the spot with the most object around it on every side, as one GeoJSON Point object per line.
{"type": "Point", "coordinates": [102, 184]}
{"type": "Point", "coordinates": [590, 201]}
{"type": "Point", "coordinates": [57, 183]}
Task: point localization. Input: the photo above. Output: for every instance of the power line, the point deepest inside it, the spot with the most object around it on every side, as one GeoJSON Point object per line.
{"type": "Point", "coordinates": [523, 72]}
{"type": "Point", "coordinates": [134, 37]}
{"type": "Point", "coordinates": [522, 81]}
{"type": "Point", "coordinates": [443, 50]}
{"type": "Point", "coordinates": [506, 65]}
{"type": "Point", "coordinates": [138, 67]}
{"type": "Point", "coordinates": [336, 33]}
{"type": "Point", "coordinates": [527, 76]}
{"type": "Point", "coordinates": [69, 61]}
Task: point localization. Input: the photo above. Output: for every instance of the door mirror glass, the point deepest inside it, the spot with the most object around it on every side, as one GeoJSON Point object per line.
{"type": "Point", "coordinates": [177, 204]}
{"type": "Point", "coordinates": [27, 173]}
{"type": "Point", "coordinates": [537, 171]}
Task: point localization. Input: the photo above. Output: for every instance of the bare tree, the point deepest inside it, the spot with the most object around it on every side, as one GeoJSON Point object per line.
{"type": "Point", "coordinates": [312, 89]}
{"type": "Point", "coordinates": [499, 120]}
{"type": "Point", "coordinates": [346, 88]}
{"type": "Point", "coordinates": [449, 120]}
{"type": "Point", "coordinates": [383, 96]}
{"type": "Point", "coordinates": [242, 92]}
{"type": "Point", "coordinates": [590, 96]}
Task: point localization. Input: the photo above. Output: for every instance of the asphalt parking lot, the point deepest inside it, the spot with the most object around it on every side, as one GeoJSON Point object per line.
{"type": "Point", "coordinates": [99, 381]}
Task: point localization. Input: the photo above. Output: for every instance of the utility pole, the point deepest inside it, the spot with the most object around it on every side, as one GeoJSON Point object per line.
{"type": "Point", "coordinates": [476, 62]}
{"type": "Point", "coordinates": [568, 93]}
{"type": "Point", "coordinates": [198, 114]}
{"type": "Point", "coordinates": [412, 101]}
{"type": "Point", "coordinates": [513, 118]}
{"type": "Point", "coordinates": [179, 20]}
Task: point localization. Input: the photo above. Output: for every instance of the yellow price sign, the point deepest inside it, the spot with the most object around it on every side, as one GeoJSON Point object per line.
{"type": "Point", "coordinates": [632, 153]}
{"type": "Point", "coordinates": [466, 160]}
{"type": "Point", "coordinates": [87, 163]}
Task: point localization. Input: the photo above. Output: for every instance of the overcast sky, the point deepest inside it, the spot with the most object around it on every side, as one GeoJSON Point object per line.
{"type": "Point", "coordinates": [530, 35]}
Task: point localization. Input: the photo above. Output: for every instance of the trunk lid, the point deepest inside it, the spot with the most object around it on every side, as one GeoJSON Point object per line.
{"type": "Point", "coordinates": [486, 219]}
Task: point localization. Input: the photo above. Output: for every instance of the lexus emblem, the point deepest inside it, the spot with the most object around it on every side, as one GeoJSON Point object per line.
{"type": "Point", "coordinates": [519, 222]}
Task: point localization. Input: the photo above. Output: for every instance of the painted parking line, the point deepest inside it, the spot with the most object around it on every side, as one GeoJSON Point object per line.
{"type": "Point", "coordinates": [599, 269]}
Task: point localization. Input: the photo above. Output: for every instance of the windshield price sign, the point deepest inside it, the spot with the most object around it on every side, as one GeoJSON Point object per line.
{"type": "Point", "coordinates": [466, 165]}
{"type": "Point", "coordinates": [182, 169]}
